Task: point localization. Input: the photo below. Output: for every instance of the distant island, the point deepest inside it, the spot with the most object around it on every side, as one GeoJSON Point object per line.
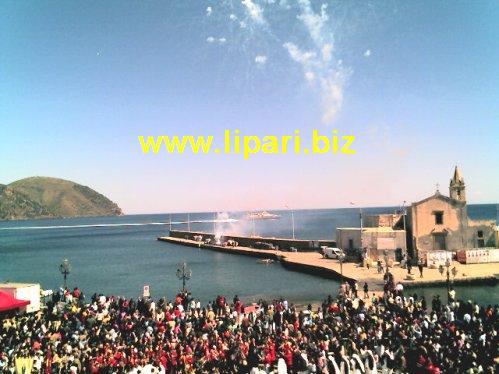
{"type": "Point", "coordinates": [44, 197]}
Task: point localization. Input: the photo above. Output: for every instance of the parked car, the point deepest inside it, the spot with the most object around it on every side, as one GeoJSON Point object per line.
{"type": "Point", "coordinates": [331, 252]}
{"type": "Point", "coordinates": [263, 245]}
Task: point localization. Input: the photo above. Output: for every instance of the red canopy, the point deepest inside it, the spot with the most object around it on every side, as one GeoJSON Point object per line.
{"type": "Point", "coordinates": [251, 308]}
{"type": "Point", "coordinates": [9, 302]}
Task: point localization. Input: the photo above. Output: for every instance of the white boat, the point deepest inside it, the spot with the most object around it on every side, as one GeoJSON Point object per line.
{"type": "Point", "coordinates": [266, 261]}
{"type": "Point", "coordinates": [262, 215]}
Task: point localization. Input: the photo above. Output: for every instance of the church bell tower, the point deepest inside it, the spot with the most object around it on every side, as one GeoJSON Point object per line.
{"type": "Point", "coordinates": [457, 188]}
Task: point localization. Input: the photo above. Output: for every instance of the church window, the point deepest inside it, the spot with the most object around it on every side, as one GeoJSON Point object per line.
{"type": "Point", "coordinates": [480, 233]}
{"type": "Point", "coordinates": [439, 218]}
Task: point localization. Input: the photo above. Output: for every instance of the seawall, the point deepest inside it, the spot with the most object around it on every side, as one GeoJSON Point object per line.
{"type": "Point", "coordinates": [313, 263]}
{"type": "Point", "coordinates": [249, 241]}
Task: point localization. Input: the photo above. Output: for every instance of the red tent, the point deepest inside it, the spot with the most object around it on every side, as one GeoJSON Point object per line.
{"type": "Point", "coordinates": [250, 308]}
{"type": "Point", "coordinates": [9, 302]}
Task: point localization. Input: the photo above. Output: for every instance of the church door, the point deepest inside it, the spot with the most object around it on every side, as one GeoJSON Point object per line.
{"type": "Point", "coordinates": [439, 242]}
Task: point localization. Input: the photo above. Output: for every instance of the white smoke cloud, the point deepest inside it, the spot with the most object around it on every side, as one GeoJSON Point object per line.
{"type": "Point", "coordinates": [315, 54]}
{"type": "Point", "coordinates": [326, 52]}
{"type": "Point", "coordinates": [313, 21]}
{"type": "Point", "coordinates": [254, 11]}
{"type": "Point", "coordinates": [309, 76]}
{"type": "Point", "coordinates": [211, 39]}
{"type": "Point", "coordinates": [332, 89]}
{"type": "Point", "coordinates": [208, 11]}
{"type": "Point", "coordinates": [260, 59]}
{"type": "Point", "coordinates": [299, 56]}
{"type": "Point", "coordinates": [320, 62]}
{"type": "Point", "coordinates": [367, 53]}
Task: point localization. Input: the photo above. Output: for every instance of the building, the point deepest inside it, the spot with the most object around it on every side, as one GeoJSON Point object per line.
{"type": "Point", "coordinates": [482, 234]}
{"type": "Point", "coordinates": [373, 243]}
{"type": "Point", "coordinates": [380, 235]}
{"type": "Point", "coordinates": [435, 224]}
{"type": "Point", "coordinates": [441, 222]}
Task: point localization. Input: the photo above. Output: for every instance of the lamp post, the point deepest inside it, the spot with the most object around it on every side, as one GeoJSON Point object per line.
{"type": "Point", "coordinates": [65, 269]}
{"type": "Point", "coordinates": [292, 220]}
{"type": "Point", "coordinates": [341, 258]}
{"type": "Point", "coordinates": [385, 256]}
{"type": "Point", "coordinates": [404, 214]}
{"type": "Point", "coordinates": [447, 273]}
{"type": "Point", "coordinates": [184, 274]}
{"type": "Point", "coordinates": [361, 225]}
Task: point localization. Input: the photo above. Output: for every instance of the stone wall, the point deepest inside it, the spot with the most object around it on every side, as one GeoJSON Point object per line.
{"type": "Point", "coordinates": [383, 220]}
{"type": "Point", "coordinates": [245, 241]}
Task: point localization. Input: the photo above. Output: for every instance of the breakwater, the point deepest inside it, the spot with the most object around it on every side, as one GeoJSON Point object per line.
{"type": "Point", "coordinates": [313, 263]}
{"type": "Point", "coordinates": [283, 244]}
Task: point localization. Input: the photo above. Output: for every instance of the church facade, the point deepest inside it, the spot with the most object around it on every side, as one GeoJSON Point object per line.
{"type": "Point", "coordinates": [437, 223]}
{"type": "Point", "coordinates": [441, 223]}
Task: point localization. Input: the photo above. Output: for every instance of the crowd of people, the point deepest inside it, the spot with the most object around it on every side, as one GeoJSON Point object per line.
{"type": "Point", "coordinates": [393, 333]}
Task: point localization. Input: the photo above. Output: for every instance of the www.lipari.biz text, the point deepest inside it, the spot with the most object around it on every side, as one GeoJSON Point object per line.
{"type": "Point", "coordinates": [247, 145]}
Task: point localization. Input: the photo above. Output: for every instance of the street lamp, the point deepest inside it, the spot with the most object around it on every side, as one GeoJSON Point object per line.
{"type": "Point", "coordinates": [447, 273]}
{"type": "Point", "coordinates": [65, 269]}
{"type": "Point", "coordinates": [385, 256]}
{"type": "Point", "coordinates": [292, 221]}
{"type": "Point", "coordinates": [184, 274]}
{"type": "Point", "coordinates": [341, 258]}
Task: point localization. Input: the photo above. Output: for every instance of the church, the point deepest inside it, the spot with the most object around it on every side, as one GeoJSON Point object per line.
{"type": "Point", "coordinates": [437, 223]}
{"type": "Point", "coordinates": [441, 223]}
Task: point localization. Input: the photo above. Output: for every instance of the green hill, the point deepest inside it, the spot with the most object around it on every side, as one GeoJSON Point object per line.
{"type": "Point", "coordinates": [43, 197]}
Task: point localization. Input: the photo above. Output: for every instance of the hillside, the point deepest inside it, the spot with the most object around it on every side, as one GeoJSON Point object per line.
{"type": "Point", "coordinates": [43, 197]}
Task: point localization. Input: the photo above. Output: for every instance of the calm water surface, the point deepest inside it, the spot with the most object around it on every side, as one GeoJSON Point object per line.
{"type": "Point", "coordinates": [119, 260]}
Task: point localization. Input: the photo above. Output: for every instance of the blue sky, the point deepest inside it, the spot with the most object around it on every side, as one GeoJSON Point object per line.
{"type": "Point", "coordinates": [416, 83]}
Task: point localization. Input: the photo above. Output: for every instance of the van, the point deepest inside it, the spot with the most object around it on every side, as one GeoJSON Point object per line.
{"type": "Point", "coordinates": [331, 252]}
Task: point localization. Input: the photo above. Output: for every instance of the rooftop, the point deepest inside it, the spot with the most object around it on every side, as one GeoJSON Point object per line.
{"type": "Point", "coordinates": [370, 229]}
{"type": "Point", "coordinates": [17, 285]}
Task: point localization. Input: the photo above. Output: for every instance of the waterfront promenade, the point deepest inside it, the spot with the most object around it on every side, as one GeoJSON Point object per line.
{"type": "Point", "coordinates": [313, 263]}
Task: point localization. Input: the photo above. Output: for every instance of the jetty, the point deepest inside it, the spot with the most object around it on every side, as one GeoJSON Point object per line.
{"type": "Point", "coordinates": [312, 262]}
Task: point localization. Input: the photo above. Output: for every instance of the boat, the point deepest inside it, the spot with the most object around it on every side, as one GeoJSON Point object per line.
{"type": "Point", "coordinates": [262, 215]}
{"type": "Point", "coordinates": [266, 261]}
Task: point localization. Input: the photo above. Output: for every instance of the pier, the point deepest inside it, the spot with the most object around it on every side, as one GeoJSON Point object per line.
{"type": "Point", "coordinates": [313, 263]}
{"type": "Point", "coordinates": [250, 241]}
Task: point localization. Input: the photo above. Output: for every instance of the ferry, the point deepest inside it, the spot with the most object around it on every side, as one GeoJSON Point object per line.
{"type": "Point", "coordinates": [262, 215]}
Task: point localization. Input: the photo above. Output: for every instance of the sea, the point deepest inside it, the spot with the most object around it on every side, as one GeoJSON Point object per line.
{"type": "Point", "coordinates": [120, 255]}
